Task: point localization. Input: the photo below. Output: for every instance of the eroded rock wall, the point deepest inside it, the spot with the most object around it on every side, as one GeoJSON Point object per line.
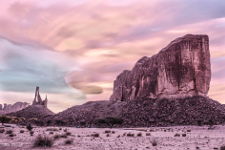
{"type": "Point", "coordinates": [181, 69]}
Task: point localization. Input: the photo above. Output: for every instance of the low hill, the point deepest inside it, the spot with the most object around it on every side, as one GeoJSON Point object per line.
{"type": "Point", "coordinates": [33, 111]}
{"type": "Point", "coordinates": [144, 112]}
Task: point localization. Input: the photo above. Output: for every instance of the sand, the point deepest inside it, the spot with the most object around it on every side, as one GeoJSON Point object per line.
{"type": "Point", "coordinates": [164, 138]}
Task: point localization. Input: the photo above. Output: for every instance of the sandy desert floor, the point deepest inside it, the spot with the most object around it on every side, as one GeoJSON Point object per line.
{"type": "Point", "coordinates": [155, 138]}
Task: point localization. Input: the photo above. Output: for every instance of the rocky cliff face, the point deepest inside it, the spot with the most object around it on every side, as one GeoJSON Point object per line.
{"type": "Point", "coordinates": [181, 69]}
{"type": "Point", "coordinates": [9, 108]}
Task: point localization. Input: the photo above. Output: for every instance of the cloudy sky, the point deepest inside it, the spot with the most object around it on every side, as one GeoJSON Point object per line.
{"type": "Point", "coordinates": [73, 49]}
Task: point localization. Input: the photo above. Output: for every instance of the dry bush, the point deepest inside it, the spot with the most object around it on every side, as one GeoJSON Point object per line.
{"type": "Point", "coordinates": [31, 133]}
{"type": "Point", "coordinates": [21, 131]}
{"type": "Point", "coordinates": [68, 142]}
{"type": "Point", "coordinates": [2, 130]}
{"type": "Point", "coordinates": [139, 134]}
{"type": "Point", "coordinates": [9, 132]}
{"type": "Point", "coordinates": [43, 141]}
{"type": "Point", "coordinates": [130, 134]}
{"type": "Point", "coordinates": [154, 142]}
{"type": "Point", "coordinates": [52, 129]}
{"type": "Point", "coordinates": [95, 135]}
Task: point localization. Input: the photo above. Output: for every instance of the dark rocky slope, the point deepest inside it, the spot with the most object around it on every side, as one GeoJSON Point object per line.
{"type": "Point", "coordinates": [196, 110]}
{"type": "Point", "coordinates": [33, 111]}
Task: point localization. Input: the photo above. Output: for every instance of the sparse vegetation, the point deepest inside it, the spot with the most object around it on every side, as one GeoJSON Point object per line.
{"type": "Point", "coordinates": [51, 129]}
{"type": "Point", "coordinates": [139, 134]}
{"type": "Point", "coordinates": [130, 134]}
{"type": "Point", "coordinates": [63, 136]}
{"type": "Point", "coordinates": [68, 142]}
{"type": "Point", "coordinates": [29, 127]}
{"type": "Point", "coordinates": [21, 131]}
{"type": "Point", "coordinates": [2, 130]}
{"type": "Point", "coordinates": [59, 123]}
{"type": "Point", "coordinates": [107, 131]}
{"type": "Point", "coordinates": [148, 134]}
{"type": "Point", "coordinates": [43, 141]}
{"type": "Point", "coordinates": [9, 132]}
{"type": "Point", "coordinates": [4, 119]}
{"type": "Point", "coordinates": [57, 136]}
{"type": "Point", "coordinates": [109, 121]}
{"type": "Point", "coordinates": [95, 135]}
{"type": "Point", "coordinates": [31, 133]}
{"type": "Point", "coordinates": [12, 135]}
{"type": "Point", "coordinates": [154, 142]}
{"type": "Point", "coordinates": [68, 133]}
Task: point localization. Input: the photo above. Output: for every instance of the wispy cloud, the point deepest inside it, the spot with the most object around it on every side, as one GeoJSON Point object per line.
{"type": "Point", "coordinates": [81, 45]}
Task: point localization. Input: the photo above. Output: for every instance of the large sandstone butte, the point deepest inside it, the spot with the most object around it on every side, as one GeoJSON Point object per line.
{"type": "Point", "coordinates": [181, 69]}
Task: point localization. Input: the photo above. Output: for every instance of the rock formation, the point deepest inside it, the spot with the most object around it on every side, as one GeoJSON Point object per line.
{"type": "Point", "coordinates": [9, 108]}
{"type": "Point", "coordinates": [37, 110]}
{"type": "Point", "coordinates": [181, 69]}
{"type": "Point", "coordinates": [38, 100]}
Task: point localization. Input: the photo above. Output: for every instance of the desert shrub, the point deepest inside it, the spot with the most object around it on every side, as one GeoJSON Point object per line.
{"type": "Point", "coordinates": [63, 136]}
{"type": "Point", "coordinates": [95, 135]}
{"type": "Point", "coordinates": [148, 134]}
{"type": "Point", "coordinates": [199, 123]}
{"type": "Point", "coordinates": [49, 122]}
{"type": "Point", "coordinates": [9, 132]}
{"type": "Point", "coordinates": [107, 131]}
{"type": "Point", "coordinates": [31, 133]}
{"type": "Point", "coordinates": [130, 134]}
{"type": "Point", "coordinates": [57, 136]}
{"type": "Point", "coordinates": [2, 130]}
{"type": "Point", "coordinates": [51, 129]}
{"type": "Point", "coordinates": [154, 143]}
{"type": "Point", "coordinates": [21, 131]}
{"type": "Point", "coordinates": [29, 127]}
{"type": "Point", "coordinates": [65, 130]}
{"type": "Point", "coordinates": [222, 148]}
{"type": "Point", "coordinates": [43, 141]}
{"type": "Point", "coordinates": [184, 135]}
{"type": "Point", "coordinates": [4, 119]}
{"type": "Point", "coordinates": [68, 142]}
{"type": "Point", "coordinates": [12, 135]}
{"type": "Point", "coordinates": [113, 132]}
{"type": "Point", "coordinates": [110, 121]}
{"type": "Point", "coordinates": [59, 123]}
{"type": "Point", "coordinates": [51, 132]}
{"type": "Point", "coordinates": [68, 133]}
{"type": "Point", "coordinates": [177, 135]}
{"type": "Point", "coordinates": [139, 134]}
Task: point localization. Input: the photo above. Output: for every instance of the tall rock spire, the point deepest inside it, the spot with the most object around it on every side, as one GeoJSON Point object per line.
{"type": "Point", "coordinates": [38, 100]}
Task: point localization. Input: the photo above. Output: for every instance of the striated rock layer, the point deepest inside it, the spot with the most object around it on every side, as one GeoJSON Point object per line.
{"type": "Point", "coordinates": [181, 69]}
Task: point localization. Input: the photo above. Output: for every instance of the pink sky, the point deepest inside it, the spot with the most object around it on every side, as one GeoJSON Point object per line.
{"type": "Point", "coordinates": [74, 49]}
